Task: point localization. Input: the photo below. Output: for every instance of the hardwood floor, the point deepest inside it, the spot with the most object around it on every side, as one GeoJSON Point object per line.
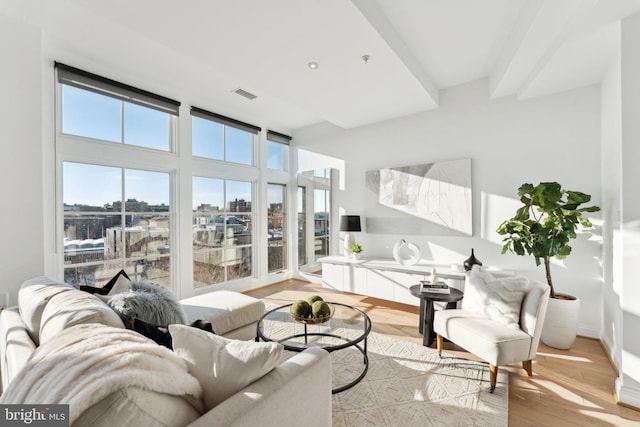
{"type": "Point", "coordinates": [568, 388]}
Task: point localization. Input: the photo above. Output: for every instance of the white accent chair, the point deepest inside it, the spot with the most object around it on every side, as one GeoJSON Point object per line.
{"type": "Point", "coordinates": [492, 340]}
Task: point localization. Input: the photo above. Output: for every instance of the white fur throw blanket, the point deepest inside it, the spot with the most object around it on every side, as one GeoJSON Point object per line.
{"type": "Point", "coordinates": [86, 363]}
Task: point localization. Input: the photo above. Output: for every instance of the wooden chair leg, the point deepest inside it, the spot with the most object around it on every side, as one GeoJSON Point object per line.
{"type": "Point", "coordinates": [439, 341]}
{"type": "Point", "coordinates": [493, 377]}
{"type": "Point", "coordinates": [528, 366]}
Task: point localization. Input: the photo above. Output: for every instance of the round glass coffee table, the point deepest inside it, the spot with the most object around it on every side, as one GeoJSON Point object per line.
{"type": "Point", "coordinates": [348, 327]}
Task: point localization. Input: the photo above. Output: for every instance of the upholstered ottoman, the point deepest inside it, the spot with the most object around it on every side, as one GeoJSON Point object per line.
{"type": "Point", "coordinates": [231, 314]}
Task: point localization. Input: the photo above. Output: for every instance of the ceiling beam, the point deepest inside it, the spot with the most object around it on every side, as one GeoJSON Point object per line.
{"type": "Point", "coordinates": [541, 28]}
{"type": "Point", "coordinates": [568, 31]}
{"type": "Point", "coordinates": [372, 13]}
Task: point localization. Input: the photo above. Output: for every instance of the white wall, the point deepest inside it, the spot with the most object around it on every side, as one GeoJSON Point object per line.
{"type": "Point", "coordinates": [628, 384]}
{"type": "Point", "coordinates": [21, 177]}
{"type": "Point", "coordinates": [611, 210]}
{"type": "Point", "coordinates": [510, 142]}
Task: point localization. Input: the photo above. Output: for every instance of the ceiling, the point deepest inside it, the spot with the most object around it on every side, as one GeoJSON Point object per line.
{"type": "Point", "coordinates": [416, 48]}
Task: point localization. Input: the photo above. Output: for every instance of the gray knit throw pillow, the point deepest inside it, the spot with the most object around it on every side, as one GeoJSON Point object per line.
{"type": "Point", "coordinates": [150, 303]}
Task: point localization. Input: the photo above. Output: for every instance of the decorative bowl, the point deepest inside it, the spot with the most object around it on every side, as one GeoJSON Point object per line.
{"type": "Point", "coordinates": [315, 320]}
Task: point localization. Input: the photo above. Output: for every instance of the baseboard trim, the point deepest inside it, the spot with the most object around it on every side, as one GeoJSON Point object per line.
{"type": "Point", "coordinates": [627, 397]}
{"type": "Point", "coordinates": [607, 352]}
{"type": "Point", "coordinates": [629, 394]}
{"type": "Point", "coordinates": [588, 332]}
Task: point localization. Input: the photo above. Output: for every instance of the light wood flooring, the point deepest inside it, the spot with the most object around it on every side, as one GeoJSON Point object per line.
{"type": "Point", "coordinates": [568, 388]}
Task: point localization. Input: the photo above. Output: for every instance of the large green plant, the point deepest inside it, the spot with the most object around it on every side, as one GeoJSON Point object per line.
{"type": "Point", "coordinates": [545, 223]}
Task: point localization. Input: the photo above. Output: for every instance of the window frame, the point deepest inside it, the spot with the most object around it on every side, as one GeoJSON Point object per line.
{"type": "Point", "coordinates": [225, 212]}
{"type": "Point", "coordinates": [182, 167]}
{"type": "Point", "coordinates": [124, 258]}
{"type": "Point", "coordinates": [285, 228]}
{"type": "Point", "coordinates": [124, 93]}
{"type": "Point", "coordinates": [285, 141]}
{"type": "Point", "coordinates": [227, 122]}
{"type": "Point", "coordinates": [63, 156]}
{"type": "Point", "coordinates": [91, 151]}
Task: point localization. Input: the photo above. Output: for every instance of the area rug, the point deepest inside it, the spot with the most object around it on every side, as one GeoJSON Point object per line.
{"type": "Point", "coordinates": [410, 385]}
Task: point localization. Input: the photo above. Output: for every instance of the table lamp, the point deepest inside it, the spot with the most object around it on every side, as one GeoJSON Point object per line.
{"type": "Point", "coordinates": [349, 224]}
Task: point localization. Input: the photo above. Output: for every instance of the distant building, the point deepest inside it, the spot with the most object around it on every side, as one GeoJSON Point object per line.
{"type": "Point", "coordinates": [131, 205]}
{"type": "Point", "coordinates": [206, 207]}
{"type": "Point", "coordinates": [159, 208]}
{"type": "Point", "coordinates": [239, 206]}
{"type": "Point", "coordinates": [321, 223]}
{"type": "Point", "coordinates": [86, 208]}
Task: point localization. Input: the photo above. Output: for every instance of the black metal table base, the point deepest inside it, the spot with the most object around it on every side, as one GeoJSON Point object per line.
{"type": "Point", "coordinates": [343, 342]}
{"type": "Point", "coordinates": [361, 349]}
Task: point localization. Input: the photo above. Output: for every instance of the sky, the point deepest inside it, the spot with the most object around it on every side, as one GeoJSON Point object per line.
{"type": "Point", "coordinates": [100, 185]}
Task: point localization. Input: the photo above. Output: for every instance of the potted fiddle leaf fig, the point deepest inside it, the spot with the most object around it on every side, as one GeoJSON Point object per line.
{"type": "Point", "coordinates": [543, 227]}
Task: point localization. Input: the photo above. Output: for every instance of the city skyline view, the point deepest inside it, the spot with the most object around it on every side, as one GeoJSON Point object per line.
{"type": "Point", "coordinates": [94, 185]}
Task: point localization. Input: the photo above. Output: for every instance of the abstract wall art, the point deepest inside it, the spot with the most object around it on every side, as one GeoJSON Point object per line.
{"type": "Point", "coordinates": [436, 192]}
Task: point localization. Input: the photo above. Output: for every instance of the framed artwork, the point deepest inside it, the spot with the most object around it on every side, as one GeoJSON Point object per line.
{"type": "Point", "coordinates": [439, 193]}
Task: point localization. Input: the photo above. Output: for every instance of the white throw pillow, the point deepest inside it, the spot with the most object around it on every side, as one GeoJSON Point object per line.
{"type": "Point", "coordinates": [498, 298]}
{"type": "Point", "coordinates": [223, 366]}
{"type": "Point", "coordinates": [122, 285]}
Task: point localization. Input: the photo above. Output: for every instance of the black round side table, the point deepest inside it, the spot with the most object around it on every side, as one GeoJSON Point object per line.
{"type": "Point", "coordinates": [426, 309]}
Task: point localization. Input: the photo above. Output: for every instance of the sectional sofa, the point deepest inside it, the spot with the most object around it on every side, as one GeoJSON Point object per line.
{"type": "Point", "coordinates": [56, 324]}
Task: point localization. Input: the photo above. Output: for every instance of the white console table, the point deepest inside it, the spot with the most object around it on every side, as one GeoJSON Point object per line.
{"type": "Point", "coordinates": [383, 278]}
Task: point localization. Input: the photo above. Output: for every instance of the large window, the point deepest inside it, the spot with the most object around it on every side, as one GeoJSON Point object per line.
{"type": "Point", "coordinates": [98, 108]}
{"type": "Point", "coordinates": [121, 167]}
{"type": "Point", "coordinates": [117, 216]}
{"type": "Point", "coordinates": [321, 223]}
{"type": "Point", "coordinates": [314, 218]}
{"type": "Point", "coordinates": [221, 138]}
{"type": "Point", "coordinates": [302, 226]}
{"type": "Point", "coordinates": [277, 150]}
{"type": "Point", "coordinates": [276, 227]}
{"type": "Point", "coordinates": [321, 213]}
{"type": "Point", "coordinates": [222, 230]}
{"type": "Point", "coordinates": [115, 219]}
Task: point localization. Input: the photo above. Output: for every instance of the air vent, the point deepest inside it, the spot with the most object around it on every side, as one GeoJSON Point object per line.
{"type": "Point", "coordinates": [246, 94]}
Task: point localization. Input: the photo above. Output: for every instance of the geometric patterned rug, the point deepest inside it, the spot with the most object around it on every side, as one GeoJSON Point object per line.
{"type": "Point", "coordinates": [410, 385]}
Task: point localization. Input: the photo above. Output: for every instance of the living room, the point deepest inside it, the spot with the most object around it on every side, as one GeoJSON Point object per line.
{"type": "Point", "coordinates": [516, 127]}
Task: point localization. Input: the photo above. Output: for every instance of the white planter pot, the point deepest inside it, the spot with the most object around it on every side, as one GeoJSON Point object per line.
{"type": "Point", "coordinates": [561, 323]}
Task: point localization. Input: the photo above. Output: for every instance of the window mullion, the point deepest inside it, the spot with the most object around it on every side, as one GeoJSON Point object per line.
{"type": "Point", "coordinates": [225, 214]}
{"type": "Point", "coordinates": [224, 143]}
{"type": "Point", "coordinates": [122, 122]}
{"type": "Point", "coordinates": [123, 222]}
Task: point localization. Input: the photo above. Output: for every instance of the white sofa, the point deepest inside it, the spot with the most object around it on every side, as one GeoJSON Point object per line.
{"type": "Point", "coordinates": [47, 307]}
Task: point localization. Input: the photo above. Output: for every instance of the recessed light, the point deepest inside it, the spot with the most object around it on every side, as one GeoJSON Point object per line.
{"type": "Point", "coordinates": [312, 65]}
